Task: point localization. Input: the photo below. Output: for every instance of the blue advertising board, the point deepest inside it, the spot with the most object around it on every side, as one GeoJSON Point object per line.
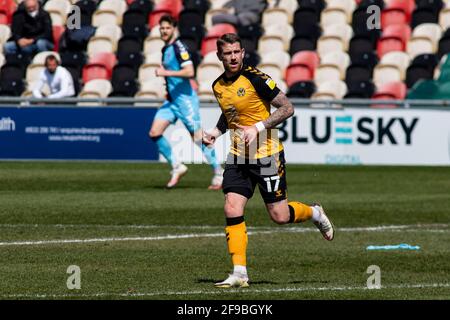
{"type": "Point", "coordinates": [98, 133]}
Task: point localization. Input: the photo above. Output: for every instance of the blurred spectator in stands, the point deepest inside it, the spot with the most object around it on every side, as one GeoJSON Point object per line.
{"type": "Point", "coordinates": [31, 29]}
{"type": "Point", "coordinates": [242, 12]}
{"type": "Point", "coordinates": [58, 79]}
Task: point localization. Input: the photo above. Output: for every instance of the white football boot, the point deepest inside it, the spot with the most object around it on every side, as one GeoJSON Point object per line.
{"type": "Point", "coordinates": [216, 182]}
{"type": "Point", "coordinates": [234, 280]}
{"type": "Point", "coordinates": [324, 224]}
{"type": "Point", "coordinates": [177, 172]}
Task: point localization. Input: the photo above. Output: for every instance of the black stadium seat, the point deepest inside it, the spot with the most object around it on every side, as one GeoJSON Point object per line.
{"type": "Point", "coordinates": [427, 60]}
{"type": "Point", "coordinates": [130, 59]}
{"type": "Point", "coordinates": [11, 83]}
{"type": "Point", "coordinates": [75, 72]}
{"type": "Point", "coordinates": [250, 31]}
{"type": "Point", "coordinates": [73, 59]}
{"type": "Point", "coordinates": [444, 44]}
{"type": "Point", "coordinates": [427, 11]}
{"type": "Point", "coordinates": [134, 17]}
{"type": "Point", "coordinates": [250, 36]}
{"type": "Point", "coordinates": [435, 5]}
{"type": "Point", "coordinates": [316, 5]}
{"type": "Point", "coordinates": [200, 5]}
{"type": "Point", "coordinates": [358, 73]}
{"type": "Point", "coordinates": [123, 72]}
{"type": "Point", "coordinates": [369, 59]}
{"type": "Point", "coordinates": [420, 16]}
{"type": "Point", "coordinates": [129, 44]}
{"type": "Point", "coordinates": [305, 38]}
{"type": "Point", "coordinates": [87, 6]}
{"type": "Point", "coordinates": [123, 81]}
{"type": "Point", "coordinates": [361, 67]}
{"type": "Point", "coordinates": [87, 9]}
{"type": "Point", "coordinates": [359, 45]}
{"type": "Point", "coordinates": [191, 42]}
{"type": "Point", "coordinates": [144, 6]}
{"type": "Point", "coordinates": [301, 43]}
{"type": "Point", "coordinates": [125, 88]}
{"type": "Point", "coordinates": [367, 3]}
{"type": "Point", "coordinates": [250, 44]}
{"type": "Point", "coordinates": [137, 31]}
{"type": "Point", "coordinates": [360, 90]}
{"type": "Point", "coordinates": [12, 72]}
{"type": "Point", "coordinates": [359, 19]}
{"type": "Point", "coordinates": [189, 18]}
{"type": "Point", "coordinates": [301, 89]}
{"type": "Point", "coordinates": [422, 67]}
{"type": "Point", "coordinates": [309, 30]}
{"type": "Point", "coordinates": [11, 87]}
{"type": "Point", "coordinates": [252, 58]}
{"type": "Point", "coordinates": [196, 58]}
{"type": "Point", "coordinates": [304, 17]}
{"type": "Point", "coordinates": [20, 59]}
{"type": "Point", "coordinates": [416, 73]}
{"type": "Point", "coordinates": [194, 32]}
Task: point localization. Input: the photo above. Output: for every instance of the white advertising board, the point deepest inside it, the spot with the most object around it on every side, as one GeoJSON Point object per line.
{"type": "Point", "coordinates": [345, 136]}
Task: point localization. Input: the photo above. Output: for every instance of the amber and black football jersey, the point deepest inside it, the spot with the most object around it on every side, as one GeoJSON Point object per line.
{"type": "Point", "coordinates": [245, 100]}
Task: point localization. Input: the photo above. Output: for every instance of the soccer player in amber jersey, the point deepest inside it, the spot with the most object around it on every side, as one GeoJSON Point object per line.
{"type": "Point", "coordinates": [256, 157]}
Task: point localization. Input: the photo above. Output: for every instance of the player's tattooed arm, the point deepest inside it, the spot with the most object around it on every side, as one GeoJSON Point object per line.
{"type": "Point", "coordinates": [285, 109]}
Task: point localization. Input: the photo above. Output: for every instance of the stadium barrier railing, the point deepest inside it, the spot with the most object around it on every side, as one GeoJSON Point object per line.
{"type": "Point", "coordinates": [123, 101]}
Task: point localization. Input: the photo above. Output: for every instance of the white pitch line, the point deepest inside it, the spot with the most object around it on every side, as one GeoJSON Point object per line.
{"type": "Point", "coordinates": [203, 227]}
{"type": "Point", "coordinates": [113, 239]}
{"type": "Point", "coordinates": [251, 231]}
{"type": "Point", "coordinates": [226, 291]}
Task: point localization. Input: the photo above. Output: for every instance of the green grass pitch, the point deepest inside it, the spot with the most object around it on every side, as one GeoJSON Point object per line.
{"type": "Point", "coordinates": [132, 239]}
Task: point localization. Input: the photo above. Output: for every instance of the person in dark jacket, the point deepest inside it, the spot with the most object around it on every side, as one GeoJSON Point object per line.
{"type": "Point", "coordinates": [242, 12]}
{"type": "Point", "coordinates": [31, 30]}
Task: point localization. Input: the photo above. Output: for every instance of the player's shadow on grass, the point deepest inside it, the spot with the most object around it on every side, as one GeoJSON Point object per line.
{"type": "Point", "coordinates": [307, 282]}
{"type": "Point", "coordinates": [219, 280]}
{"type": "Point", "coordinates": [182, 187]}
{"type": "Point", "coordinates": [269, 282]}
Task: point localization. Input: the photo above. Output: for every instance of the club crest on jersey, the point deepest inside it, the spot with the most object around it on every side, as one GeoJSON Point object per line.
{"type": "Point", "coordinates": [270, 83]}
{"type": "Point", "coordinates": [184, 55]}
{"type": "Point", "coordinates": [241, 92]}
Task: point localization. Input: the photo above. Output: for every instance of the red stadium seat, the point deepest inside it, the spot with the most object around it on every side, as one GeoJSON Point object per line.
{"type": "Point", "coordinates": [95, 71]}
{"type": "Point", "coordinates": [307, 58]}
{"type": "Point", "coordinates": [406, 6]}
{"type": "Point", "coordinates": [390, 91]}
{"type": "Point", "coordinates": [397, 12]}
{"type": "Point", "coordinates": [106, 59]}
{"type": "Point", "coordinates": [298, 72]}
{"type": "Point", "coordinates": [389, 44]}
{"type": "Point", "coordinates": [57, 33]}
{"type": "Point", "coordinates": [393, 16]}
{"type": "Point", "coordinates": [172, 7]}
{"type": "Point", "coordinates": [100, 66]}
{"type": "Point", "coordinates": [215, 32]}
{"type": "Point", "coordinates": [394, 38]}
{"type": "Point", "coordinates": [3, 17]}
{"type": "Point", "coordinates": [7, 8]}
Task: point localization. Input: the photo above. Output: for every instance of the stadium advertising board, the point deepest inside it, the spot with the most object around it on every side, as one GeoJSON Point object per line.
{"type": "Point", "coordinates": [348, 136]}
{"type": "Point", "coordinates": [76, 133]}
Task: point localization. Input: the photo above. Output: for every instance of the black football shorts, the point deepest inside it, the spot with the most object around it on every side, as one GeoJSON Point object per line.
{"type": "Point", "coordinates": [242, 175]}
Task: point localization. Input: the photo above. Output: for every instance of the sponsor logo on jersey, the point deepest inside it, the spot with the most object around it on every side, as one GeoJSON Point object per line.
{"type": "Point", "coordinates": [270, 83]}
